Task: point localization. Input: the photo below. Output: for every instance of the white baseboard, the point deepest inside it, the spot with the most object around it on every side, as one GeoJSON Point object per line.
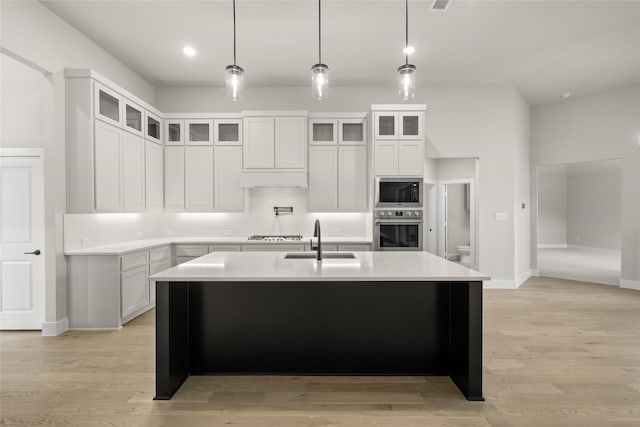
{"type": "Point", "coordinates": [593, 249]}
{"type": "Point", "coordinates": [535, 272]}
{"type": "Point", "coordinates": [552, 246]}
{"type": "Point", "coordinates": [96, 329]}
{"type": "Point", "coordinates": [499, 284]}
{"type": "Point", "coordinates": [630, 284]}
{"type": "Point", "coordinates": [53, 329]}
{"type": "Point", "coordinates": [523, 277]}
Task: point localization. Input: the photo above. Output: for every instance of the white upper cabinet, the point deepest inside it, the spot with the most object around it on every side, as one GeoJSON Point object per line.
{"type": "Point", "coordinates": [174, 178]}
{"type": "Point", "coordinates": [174, 132]}
{"type": "Point", "coordinates": [108, 168]}
{"type": "Point", "coordinates": [352, 178]}
{"type": "Point", "coordinates": [107, 105]}
{"type": "Point", "coordinates": [153, 128]}
{"type": "Point", "coordinates": [154, 176]}
{"type": "Point", "coordinates": [386, 157]}
{"type": "Point", "coordinates": [198, 179]}
{"type": "Point", "coordinates": [227, 132]}
{"type": "Point", "coordinates": [323, 178]}
{"type": "Point", "coordinates": [290, 143]}
{"type": "Point", "coordinates": [386, 125]}
{"type": "Point", "coordinates": [133, 118]}
{"type": "Point", "coordinates": [228, 191]}
{"type": "Point", "coordinates": [410, 125]}
{"type": "Point", "coordinates": [410, 158]}
{"type": "Point", "coordinates": [133, 176]}
{"type": "Point", "coordinates": [199, 132]}
{"type": "Point", "coordinates": [323, 132]}
{"type": "Point", "coordinates": [352, 131]}
{"type": "Point", "coordinates": [258, 144]}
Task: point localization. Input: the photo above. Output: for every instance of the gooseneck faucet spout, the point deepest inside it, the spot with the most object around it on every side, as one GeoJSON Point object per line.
{"type": "Point", "coordinates": [316, 233]}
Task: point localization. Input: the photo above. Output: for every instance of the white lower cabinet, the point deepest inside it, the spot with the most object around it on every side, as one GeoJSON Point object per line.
{"type": "Point", "coordinates": [156, 267]}
{"type": "Point", "coordinates": [133, 175]}
{"type": "Point", "coordinates": [273, 248]}
{"type": "Point", "coordinates": [199, 179]}
{"type": "Point", "coordinates": [228, 193]}
{"type": "Point", "coordinates": [174, 178]}
{"type": "Point", "coordinates": [323, 178]}
{"type": "Point", "coordinates": [154, 176]}
{"type": "Point", "coordinates": [225, 248]}
{"type": "Point", "coordinates": [135, 290]}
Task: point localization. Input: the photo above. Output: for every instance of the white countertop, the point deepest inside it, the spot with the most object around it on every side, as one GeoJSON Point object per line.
{"type": "Point", "coordinates": [142, 244]}
{"type": "Point", "coordinates": [271, 266]}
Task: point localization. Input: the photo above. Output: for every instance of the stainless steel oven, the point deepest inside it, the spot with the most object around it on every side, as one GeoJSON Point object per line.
{"type": "Point", "coordinates": [395, 192]}
{"type": "Point", "coordinates": [397, 230]}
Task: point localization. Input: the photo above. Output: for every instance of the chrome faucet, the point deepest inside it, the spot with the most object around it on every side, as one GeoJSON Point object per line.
{"type": "Point", "coordinates": [316, 233]}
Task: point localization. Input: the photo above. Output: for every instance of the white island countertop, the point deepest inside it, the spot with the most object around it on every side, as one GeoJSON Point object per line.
{"type": "Point", "coordinates": [272, 266]}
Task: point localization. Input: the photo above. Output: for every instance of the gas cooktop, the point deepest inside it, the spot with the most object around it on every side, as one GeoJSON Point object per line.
{"type": "Point", "coordinates": [276, 237]}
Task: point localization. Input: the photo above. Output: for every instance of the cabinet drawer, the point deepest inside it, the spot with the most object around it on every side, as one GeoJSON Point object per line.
{"type": "Point", "coordinates": [273, 248]}
{"type": "Point", "coordinates": [134, 291]}
{"type": "Point", "coordinates": [136, 259]}
{"type": "Point", "coordinates": [225, 248]}
{"type": "Point", "coordinates": [158, 254]}
{"type": "Point", "coordinates": [191, 250]}
{"type": "Point", "coordinates": [183, 259]}
{"type": "Point", "coordinates": [158, 266]}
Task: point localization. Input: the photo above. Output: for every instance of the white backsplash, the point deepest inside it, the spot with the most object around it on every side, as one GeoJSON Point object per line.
{"type": "Point", "coordinates": [258, 218]}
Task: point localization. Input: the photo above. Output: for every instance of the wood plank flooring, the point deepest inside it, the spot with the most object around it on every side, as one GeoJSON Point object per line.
{"type": "Point", "coordinates": [556, 353]}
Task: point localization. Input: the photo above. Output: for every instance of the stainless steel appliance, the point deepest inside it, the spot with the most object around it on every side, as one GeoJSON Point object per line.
{"type": "Point", "coordinates": [397, 230]}
{"type": "Point", "coordinates": [396, 192]}
{"type": "Point", "coordinates": [276, 237]}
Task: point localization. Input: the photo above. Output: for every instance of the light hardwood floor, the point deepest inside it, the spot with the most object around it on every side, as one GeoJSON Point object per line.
{"type": "Point", "coordinates": [556, 353]}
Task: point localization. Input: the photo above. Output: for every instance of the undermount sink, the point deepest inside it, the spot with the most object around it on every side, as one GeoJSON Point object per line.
{"type": "Point", "coordinates": [326, 255]}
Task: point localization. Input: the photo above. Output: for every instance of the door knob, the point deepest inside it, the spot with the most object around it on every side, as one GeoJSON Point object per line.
{"type": "Point", "coordinates": [36, 252]}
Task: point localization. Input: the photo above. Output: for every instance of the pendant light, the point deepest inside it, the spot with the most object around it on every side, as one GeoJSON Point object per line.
{"type": "Point", "coordinates": [320, 71]}
{"type": "Point", "coordinates": [235, 73]}
{"type": "Point", "coordinates": [407, 71]}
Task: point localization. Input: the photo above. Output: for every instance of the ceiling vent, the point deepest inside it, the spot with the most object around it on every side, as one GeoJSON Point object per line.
{"type": "Point", "coordinates": [440, 5]}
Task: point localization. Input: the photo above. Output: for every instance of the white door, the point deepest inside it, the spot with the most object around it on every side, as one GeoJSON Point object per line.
{"type": "Point", "coordinates": [133, 175]}
{"type": "Point", "coordinates": [22, 237]}
{"type": "Point", "coordinates": [386, 158]}
{"type": "Point", "coordinates": [198, 181]}
{"type": "Point", "coordinates": [228, 194]}
{"type": "Point", "coordinates": [410, 158]}
{"type": "Point", "coordinates": [352, 176]}
{"type": "Point", "coordinates": [323, 178]}
{"type": "Point", "coordinates": [291, 142]}
{"type": "Point", "coordinates": [108, 164]}
{"type": "Point", "coordinates": [258, 143]}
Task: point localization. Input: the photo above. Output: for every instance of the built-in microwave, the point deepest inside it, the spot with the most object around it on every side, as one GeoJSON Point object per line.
{"type": "Point", "coordinates": [395, 192]}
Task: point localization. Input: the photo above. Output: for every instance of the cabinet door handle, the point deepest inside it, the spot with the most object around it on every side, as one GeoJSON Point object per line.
{"type": "Point", "coordinates": [36, 252]}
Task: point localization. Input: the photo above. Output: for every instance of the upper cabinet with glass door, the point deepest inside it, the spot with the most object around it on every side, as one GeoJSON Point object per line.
{"type": "Point", "coordinates": [323, 132]}
{"type": "Point", "coordinates": [107, 105]}
{"type": "Point", "coordinates": [174, 132]}
{"type": "Point", "coordinates": [199, 132]}
{"type": "Point", "coordinates": [352, 131]}
{"type": "Point", "coordinates": [227, 132]}
{"type": "Point", "coordinates": [398, 125]}
{"type": "Point", "coordinates": [153, 129]}
{"type": "Point", "coordinates": [133, 117]}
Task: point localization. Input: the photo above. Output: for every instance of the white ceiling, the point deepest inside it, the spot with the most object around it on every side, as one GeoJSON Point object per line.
{"type": "Point", "coordinates": [543, 47]}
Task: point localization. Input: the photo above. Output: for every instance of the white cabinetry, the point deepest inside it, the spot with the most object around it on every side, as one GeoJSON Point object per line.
{"type": "Point", "coordinates": [290, 143]}
{"type": "Point", "coordinates": [228, 192]}
{"type": "Point", "coordinates": [323, 178]}
{"type": "Point", "coordinates": [107, 104]}
{"type": "Point", "coordinates": [154, 176]}
{"type": "Point", "coordinates": [199, 179]}
{"type": "Point", "coordinates": [274, 142]}
{"type": "Point", "coordinates": [174, 178]}
{"type": "Point", "coordinates": [399, 142]}
{"type": "Point", "coordinates": [258, 144]}
{"type": "Point", "coordinates": [135, 290]}
{"type": "Point", "coordinates": [174, 132]}
{"type": "Point", "coordinates": [227, 132]}
{"type": "Point", "coordinates": [352, 178]}
{"type": "Point", "coordinates": [133, 174]}
{"type": "Point", "coordinates": [108, 167]}
{"type": "Point", "coordinates": [199, 132]}
{"type": "Point", "coordinates": [323, 131]}
{"type": "Point", "coordinates": [398, 125]}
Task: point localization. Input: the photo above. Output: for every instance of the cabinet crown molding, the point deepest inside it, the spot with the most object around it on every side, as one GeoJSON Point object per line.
{"type": "Point", "coordinates": [398, 107]}
{"type": "Point", "coordinates": [275, 113]}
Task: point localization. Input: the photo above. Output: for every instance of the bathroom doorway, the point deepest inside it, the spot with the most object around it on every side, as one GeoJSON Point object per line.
{"type": "Point", "coordinates": [457, 221]}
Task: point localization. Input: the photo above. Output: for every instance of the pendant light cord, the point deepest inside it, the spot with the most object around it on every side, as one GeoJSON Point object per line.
{"type": "Point", "coordinates": [234, 32]}
{"type": "Point", "coordinates": [319, 32]}
{"type": "Point", "coordinates": [406, 29]}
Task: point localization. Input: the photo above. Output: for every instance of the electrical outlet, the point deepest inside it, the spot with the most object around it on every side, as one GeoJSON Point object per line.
{"type": "Point", "coordinates": [228, 232]}
{"type": "Point", "coordinates": [84, 241]}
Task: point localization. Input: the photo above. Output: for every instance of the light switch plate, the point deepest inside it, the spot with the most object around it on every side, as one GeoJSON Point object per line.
{"type": "Point", "coordinates": [502, 216]}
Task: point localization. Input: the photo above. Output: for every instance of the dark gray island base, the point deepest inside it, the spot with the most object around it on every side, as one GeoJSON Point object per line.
{"type": "Point", "coordinates": [319, 328]}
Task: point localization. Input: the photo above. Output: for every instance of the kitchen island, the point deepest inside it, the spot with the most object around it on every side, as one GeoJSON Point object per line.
{"type": "Point", "coordinates": [378, 313]}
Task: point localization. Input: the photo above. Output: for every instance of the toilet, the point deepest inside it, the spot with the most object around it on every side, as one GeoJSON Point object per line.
{"type": "Point", "coordinates": [465, 254]}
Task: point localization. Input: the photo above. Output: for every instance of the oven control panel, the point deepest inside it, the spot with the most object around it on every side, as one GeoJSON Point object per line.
{"type": "Point", "coordinates": [403, 213]}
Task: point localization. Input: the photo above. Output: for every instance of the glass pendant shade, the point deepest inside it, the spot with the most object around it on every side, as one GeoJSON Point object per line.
{"type": "Point", "coordinates": [319, 81]}
{"type": "Point", "coordinates": [235, 76]}
{"type": "Point", "coordinates": [407, 81]}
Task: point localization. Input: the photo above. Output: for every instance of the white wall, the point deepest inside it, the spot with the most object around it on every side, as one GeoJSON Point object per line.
{"type": "Point", "coordinates": [36, 47]}
{"type": "Point", "coordinates": [522, 187]}
{"type": "Point", "coordinates": [458, 217]}
{"type": "Point", "coordinates": [596, 127]}
{"type": "Point", "coordinates": [552, 209]}
{"type": "Point", "coordinates": [449, 169]}
{"type": "Point", "coordinates": [483, 122]}
{"type": "Point", "coordinates": [594, 203]}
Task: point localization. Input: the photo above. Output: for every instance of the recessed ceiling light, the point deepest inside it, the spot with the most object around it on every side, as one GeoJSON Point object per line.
{"type": "Point", "coordinates": [188, 51]}
{"type": "Point", "coordinates": [566, 95]}
{"type": "Point", "coordinates": [408, 50]}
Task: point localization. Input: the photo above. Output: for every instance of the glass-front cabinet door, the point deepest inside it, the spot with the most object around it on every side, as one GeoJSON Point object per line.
{"type": "Point", "coordinates": [410, 124]}
{"type": "Point", "coordinates": [323, 132]}
{"type": "Point", "coordinates": [133, 117]}
{"type": "Point", "coordinates": [107, 105]}
{"type": "Point", "coordinates": [227, 132]}
{"type": "Point", "coordinates": [153, 129]}
{"type": "Point", "coordinates": [386, 125]}
{"type": "Point", "coordinates": [199, 132]}
{"type": "Point", "coordinates": [174, 132]}
{"type": "Point", "coordinates": [352, 131]}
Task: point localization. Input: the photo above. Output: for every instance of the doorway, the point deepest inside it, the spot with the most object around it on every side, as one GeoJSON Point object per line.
{"type": "Point", "coordinates": [457, 222]}
{"type": "Point", "coordinates": [22, 264]}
